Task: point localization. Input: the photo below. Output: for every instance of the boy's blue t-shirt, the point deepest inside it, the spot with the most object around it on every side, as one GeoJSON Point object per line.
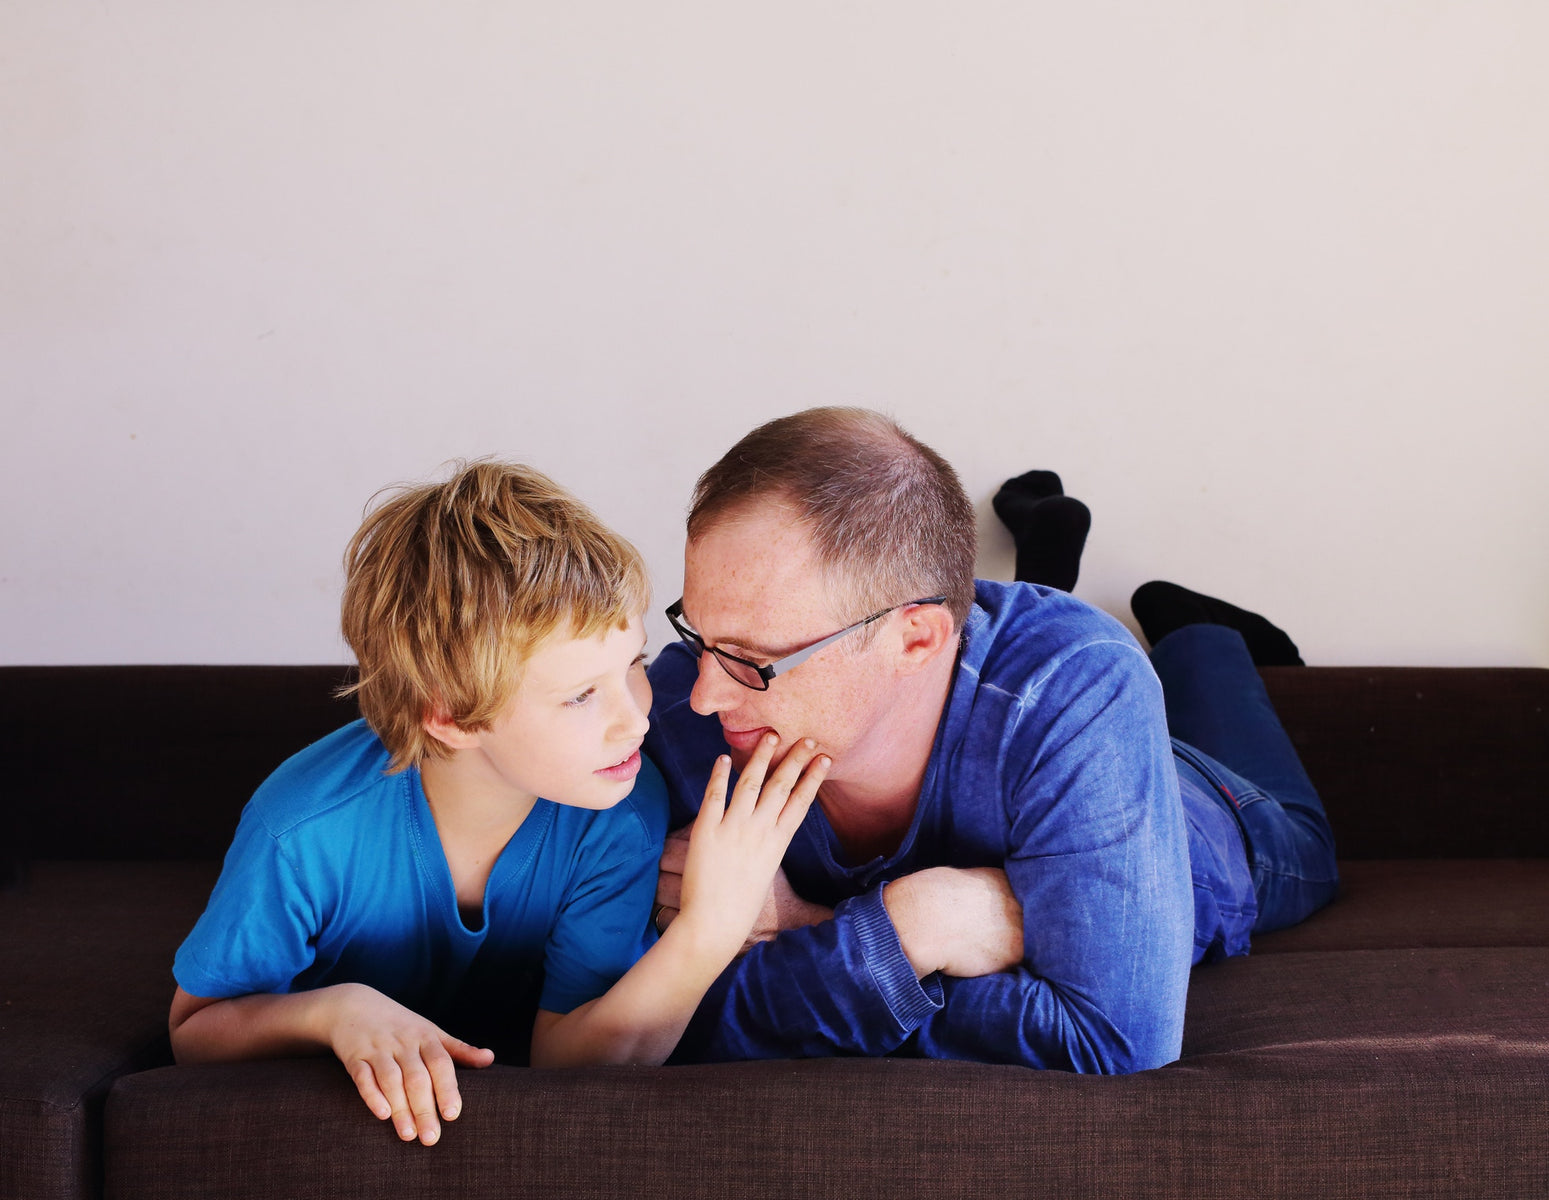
{"type": "Point", "coordinates": [336, 874]}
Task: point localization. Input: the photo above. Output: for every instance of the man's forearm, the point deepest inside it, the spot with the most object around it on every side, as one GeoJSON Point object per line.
{"type": "Point", "coordinates": [841, 986]}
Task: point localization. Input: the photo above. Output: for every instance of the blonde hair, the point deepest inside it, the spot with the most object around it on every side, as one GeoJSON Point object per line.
{"type": "Point", "coordinates": [450, 586]}
{"type": "Point", "coordinates": [888, 518]}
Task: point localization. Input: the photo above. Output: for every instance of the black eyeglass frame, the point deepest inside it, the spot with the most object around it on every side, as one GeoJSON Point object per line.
{"type": "Point", "coordinates": [766, 674]}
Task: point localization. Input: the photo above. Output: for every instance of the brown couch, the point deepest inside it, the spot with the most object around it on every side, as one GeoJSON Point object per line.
{"type": "Point", "coordinates": [1397, 1044]}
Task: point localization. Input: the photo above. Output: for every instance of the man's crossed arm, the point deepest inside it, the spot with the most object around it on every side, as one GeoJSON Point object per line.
{"type": "Point", "coordinates": [963, 922]}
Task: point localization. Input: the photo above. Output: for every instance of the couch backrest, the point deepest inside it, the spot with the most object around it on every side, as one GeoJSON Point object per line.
{"type": "Point", "coordinates": [1424, 762]}
{"type": "Point", "coordinates": [151, 762]}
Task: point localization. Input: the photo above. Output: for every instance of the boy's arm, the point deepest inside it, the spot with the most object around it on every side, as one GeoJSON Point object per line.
{"type": "Point", "coordinates": [735, 850]}
{"type": "Point", "coordinates": [402, 1064]}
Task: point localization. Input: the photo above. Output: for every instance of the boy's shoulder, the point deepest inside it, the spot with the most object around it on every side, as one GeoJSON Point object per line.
{"type": "Point", "coordinates": [329, 775]}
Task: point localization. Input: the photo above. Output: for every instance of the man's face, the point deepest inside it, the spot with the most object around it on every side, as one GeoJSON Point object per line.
{"type": "Point", "coordinates": [751, 588]}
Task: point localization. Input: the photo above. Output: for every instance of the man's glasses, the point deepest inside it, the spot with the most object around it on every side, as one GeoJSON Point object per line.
{"type": "Point", "coordinates": [751, 674]}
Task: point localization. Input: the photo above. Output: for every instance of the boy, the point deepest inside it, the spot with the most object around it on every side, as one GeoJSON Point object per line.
{"type": "Point", "coordinates": [488, 823]}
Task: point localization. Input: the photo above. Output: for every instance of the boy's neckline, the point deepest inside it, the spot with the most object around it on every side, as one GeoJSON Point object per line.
{"type": "Point", "coordinates": [472, 840]}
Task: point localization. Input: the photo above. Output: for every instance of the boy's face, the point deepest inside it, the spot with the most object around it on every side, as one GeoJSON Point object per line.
{"type": "Point", "coordinates": [571, 733]}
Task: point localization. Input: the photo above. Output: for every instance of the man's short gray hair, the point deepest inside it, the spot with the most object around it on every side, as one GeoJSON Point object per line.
{"type": "Point", "coordinates": [888, 518]}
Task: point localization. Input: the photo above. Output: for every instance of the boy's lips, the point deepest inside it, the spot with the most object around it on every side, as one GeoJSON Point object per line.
{"type": "Point", "coordinates": [626, 769]}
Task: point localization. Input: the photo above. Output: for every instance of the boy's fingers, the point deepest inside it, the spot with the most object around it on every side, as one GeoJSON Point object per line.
{"type": "Point", "coordinates": [443, 1076]}
{"type": "Point", "coordinates": [466, 1055]}
{"type": "Point", "coordinates": [714, 805]}
{"type": "Point", "coordinates": [365, 1084]}
{"type": "Point", "coordinates": [772, 796]}
{"type": "Point", "coordinates": [806, 790]}
{"type": "Point", "coordinates": [796, 760]}
{"type": "Point", "coordinates": [389, 1077]}
{"type": "Point", "coordinates": [420, 1093]}
{"type": "Point", "coordinates": [751, 781]}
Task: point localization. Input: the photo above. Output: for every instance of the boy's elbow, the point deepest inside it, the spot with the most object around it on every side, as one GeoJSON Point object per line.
{"type": "Point", "coordinates": [185, 1042]}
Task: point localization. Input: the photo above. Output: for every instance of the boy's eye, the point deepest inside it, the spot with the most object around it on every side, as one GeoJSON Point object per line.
{"type": "Point", "coordinates": [577, 701]}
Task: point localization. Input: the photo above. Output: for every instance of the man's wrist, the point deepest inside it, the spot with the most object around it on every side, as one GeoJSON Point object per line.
{"type": "Point", "coordinates": [909, 996]}
{"type": "Point", "coordinates": [901, 898]}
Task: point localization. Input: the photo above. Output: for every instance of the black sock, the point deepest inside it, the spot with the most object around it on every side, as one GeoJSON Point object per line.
{"type": "Point", "coordinates": [1048, 527]}
{"type": "Point", "coordinates": [1163, 607]}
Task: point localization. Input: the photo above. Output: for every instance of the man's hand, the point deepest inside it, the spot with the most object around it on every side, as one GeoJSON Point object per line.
{"type": "Point", "coordinates": [401, 1063]}
{"type": "Point", "coordinates": [783, 909]}
{"type": "Point", "coordinates": [963, 922]}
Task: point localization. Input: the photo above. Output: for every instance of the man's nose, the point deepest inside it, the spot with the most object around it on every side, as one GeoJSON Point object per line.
{"type": "Point", "coordinates": [714, 691]}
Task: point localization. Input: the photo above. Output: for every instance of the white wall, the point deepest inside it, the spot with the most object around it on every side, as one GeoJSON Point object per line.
{"type": "Point", "coordinates": [1267, 283]}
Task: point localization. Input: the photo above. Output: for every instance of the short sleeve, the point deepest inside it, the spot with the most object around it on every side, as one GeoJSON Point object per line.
{"type": "Point", "coordinates": [257, 931]}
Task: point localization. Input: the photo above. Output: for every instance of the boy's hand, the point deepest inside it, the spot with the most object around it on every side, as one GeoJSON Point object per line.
{"type": "Point", "coordinates": [401, 1063]}
{"type": "Point", "coordinates": [737, 843]}
{"type": "Point", "coordinates": [783, 908]}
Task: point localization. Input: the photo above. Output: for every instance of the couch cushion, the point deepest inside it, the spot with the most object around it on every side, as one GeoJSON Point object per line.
{"type": "Point", "coordinates": [1410, 904]}
{"type": "Point", "coordinates": [1357, 1074]}
{"type": "Point", "coordinates": [87, 978]}
{"type": "Point", "coordinates": [1256, 1125]}
{"type": "Point", "coordinates": [1352, 1007]}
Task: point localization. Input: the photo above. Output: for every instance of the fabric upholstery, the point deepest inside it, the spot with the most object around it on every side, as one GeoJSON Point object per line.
{"type": "Point", "coordinates": [85, 981]}
{"type": "Point", "coordinates": [1244, 1126]}
{"type": "Point", "coordinates": [1423, 762]}
{"type": "Point", "coordinates": [1395, 1045]}
{"type": "Point", "coordinates": [166, 759]}
{"type": "Point", "coordinates": [1418, 903]}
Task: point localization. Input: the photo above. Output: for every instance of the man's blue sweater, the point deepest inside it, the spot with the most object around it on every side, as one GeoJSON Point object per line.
{"type": "Point", "coordinates": [1051, 761]}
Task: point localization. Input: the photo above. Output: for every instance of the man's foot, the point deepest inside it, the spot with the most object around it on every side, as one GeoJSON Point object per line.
{"type": "Point", "coordinates": [1163, 607]}
{"type": "Point", "coordinates": [1048, 527]}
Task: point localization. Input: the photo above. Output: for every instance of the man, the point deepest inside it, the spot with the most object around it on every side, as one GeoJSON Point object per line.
{"type": "Point", "coordinates": [1000, 864]}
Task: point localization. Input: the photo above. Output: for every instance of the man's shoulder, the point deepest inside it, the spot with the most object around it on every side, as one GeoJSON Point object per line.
{"type": "Point", "coordinates": [1019, 635]}
{"type": "Point", "coordinates": [327, 778]}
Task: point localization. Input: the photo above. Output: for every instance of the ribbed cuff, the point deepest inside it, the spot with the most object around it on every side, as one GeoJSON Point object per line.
{"type": "Point", "coordinates": [910, 1000]}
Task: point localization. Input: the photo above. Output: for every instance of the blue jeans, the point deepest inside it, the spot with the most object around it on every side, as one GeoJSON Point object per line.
{"type": "Point", "coordinates": [1216, 703]}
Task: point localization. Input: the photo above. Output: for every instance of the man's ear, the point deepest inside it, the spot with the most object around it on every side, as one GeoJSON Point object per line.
{"type": "Point", "coordinates": [927, 630]}
{"type": "Point", "coordinates": [448, 732]}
